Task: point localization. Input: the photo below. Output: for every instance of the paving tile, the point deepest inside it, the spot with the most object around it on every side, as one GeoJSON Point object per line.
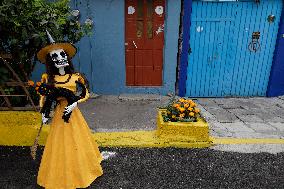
{"type": "Point", "coordinates": [230, 102]}
{"type": "Point", "coordinates": [237, 127]}
{"type": "Point", "coordinates": [275, 119]}
{"type": "Point", "coordinates": [278, 126]}
{"type": "Point", "coordinates": [239, 111]}
{"type": "Point", "coordinates": [281, 97]}
{"type": "Point", "coordinates": [222, 115]}
{"type": "Point", "coordinates": [206, 114]}
{"type": "Point", "coordinates": [277, 111]}
{"type": "Point", "coordinates": [266, 115]}
{"type": "Point", "coordinates": [254, 135]}
{"type": "Point", "coordinates": [259, 127]}
{"type": "Point", "coordinates": [217, 126]}
{"type": "Point", "coordinates": [250, 118]}
{"type": "Point", "coordinates": [207, 102]}
{"type": "Point", "coordinates": [248, 104]}
{"type": "Point", "coordinates": [221, 134]}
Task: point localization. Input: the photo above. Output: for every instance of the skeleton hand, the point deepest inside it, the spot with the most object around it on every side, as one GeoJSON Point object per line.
{"type": "Point", "coordinates": [44, 119]}
{"type": "Point", "coordinates": [69, 108]}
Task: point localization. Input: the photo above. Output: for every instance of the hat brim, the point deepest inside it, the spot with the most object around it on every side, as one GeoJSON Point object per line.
{"type": "Point", "coordinates": [69, 48]}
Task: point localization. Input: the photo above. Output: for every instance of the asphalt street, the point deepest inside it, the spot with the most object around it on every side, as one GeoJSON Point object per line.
{"type": "Point", "coordinates": [153, 168]}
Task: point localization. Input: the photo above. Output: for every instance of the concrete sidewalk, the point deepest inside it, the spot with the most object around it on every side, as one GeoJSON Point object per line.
{"type": "Point", "coordinates": [110, 113]}
{"type": "Point", "coordinates": [246, 125]}
{"type": "Point", "coordinates": [258, 117]}
{"type": "Point", "coordinates": [244, 117]}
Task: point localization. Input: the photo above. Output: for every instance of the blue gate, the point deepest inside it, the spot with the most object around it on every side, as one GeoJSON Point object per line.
{"type": "Point", "coordinates": [228, 56]}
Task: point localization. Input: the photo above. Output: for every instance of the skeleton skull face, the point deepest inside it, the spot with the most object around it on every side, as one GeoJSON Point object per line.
{"type": "Point", "coordinates": [59, 57]}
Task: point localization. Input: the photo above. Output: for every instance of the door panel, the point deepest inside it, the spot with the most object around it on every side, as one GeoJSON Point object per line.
{"type": "Point", "coordinates": [145, 37]}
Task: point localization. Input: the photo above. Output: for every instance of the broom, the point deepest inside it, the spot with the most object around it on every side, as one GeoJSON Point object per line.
{"type": "Point", "coordinates": [34, 146]}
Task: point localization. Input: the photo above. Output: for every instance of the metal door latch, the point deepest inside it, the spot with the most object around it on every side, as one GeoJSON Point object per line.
{"type": "Point", "coordinates": [254, 45]}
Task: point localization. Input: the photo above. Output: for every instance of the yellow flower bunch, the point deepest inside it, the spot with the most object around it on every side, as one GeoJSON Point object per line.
{"type": "Point", "coordinates": [181, 109]}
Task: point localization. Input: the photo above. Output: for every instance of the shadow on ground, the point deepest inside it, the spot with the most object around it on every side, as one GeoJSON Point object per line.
{"type": "Point", "coordinates": [159, 168]}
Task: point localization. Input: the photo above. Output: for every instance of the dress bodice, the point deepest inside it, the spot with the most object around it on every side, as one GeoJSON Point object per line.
{"type": "Point", "coordinates": [71, 85]}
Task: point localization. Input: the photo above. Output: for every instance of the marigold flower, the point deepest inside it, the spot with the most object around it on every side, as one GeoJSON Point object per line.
{"type": "Point", "coordinates": [181, 99]}
{"type": "Point", "coordinates": [36, 88]}
{"type": "Point", "coordinates": [181, 109]}
{"type": "Point", "coordinates": [191, 114]}
{"type": "Point", "coordinates": [186, 105]}
{"type": "Point", "coordinates": [192, 104]}
{"type": "Point", "coordinates": [197, 110]}
{"type": "Point", "coordinates": [176, 105]}
{"type": "Point", "coordinates": [38, 83]}
{"type": "Point", "coordinates": [182, 115]}
{"type": "Point", "coordinates": [31, 83]}
{"type": "Point", "coordinates": [190, 109]}
{"type": "Point", "coordinates": [173, 116]}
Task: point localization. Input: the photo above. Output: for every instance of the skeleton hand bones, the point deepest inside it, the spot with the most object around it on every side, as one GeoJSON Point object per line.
{"type": "Point", "coordinates": [70, 108]}
{"type": "Point", "coordinates": [44, 119]}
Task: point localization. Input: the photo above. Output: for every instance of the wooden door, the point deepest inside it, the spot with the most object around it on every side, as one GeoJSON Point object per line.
{"type": "Point", "coordinates": [144, 42]}
{"type": "Point", "coordinates": [222, 62]}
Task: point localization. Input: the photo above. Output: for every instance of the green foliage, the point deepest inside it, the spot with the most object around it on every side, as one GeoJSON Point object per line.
{"type": "Point", "coordinates": [23, 24]}
{"type": "Point", "coordinates": [4, 74]}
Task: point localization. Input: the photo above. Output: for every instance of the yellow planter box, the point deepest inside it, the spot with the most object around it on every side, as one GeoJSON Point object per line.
{"type": "Point", "coordinates": [182, 131]}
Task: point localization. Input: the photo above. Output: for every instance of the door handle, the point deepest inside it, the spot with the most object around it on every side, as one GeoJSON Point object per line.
{"type": "Point", "coordinates": [134, 44]}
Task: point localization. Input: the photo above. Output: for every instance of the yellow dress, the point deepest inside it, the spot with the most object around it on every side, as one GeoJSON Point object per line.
{"type": "Point", "coordinates": [71, 157]}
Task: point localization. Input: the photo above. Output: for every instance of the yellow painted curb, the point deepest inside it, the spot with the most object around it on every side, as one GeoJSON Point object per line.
{"type": "Point", "coordinates": [143, 139]}
{"type": "Point", "coordinates": [21, 128]}
{"type": "Point", "coordinates": [247, 141]}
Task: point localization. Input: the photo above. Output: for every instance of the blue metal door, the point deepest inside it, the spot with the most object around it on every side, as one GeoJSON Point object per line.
{"type": "Point", "coordinates": [225, 60]}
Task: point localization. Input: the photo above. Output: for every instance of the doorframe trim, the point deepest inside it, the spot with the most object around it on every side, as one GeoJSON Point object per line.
{"type": "Point", "coordinates": [186, 22]}
{"type": "Point", "coordinates": [276, 79]}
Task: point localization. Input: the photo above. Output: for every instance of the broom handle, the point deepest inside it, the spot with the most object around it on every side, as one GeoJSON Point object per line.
{"type": "Point", "coordinates": [34, 147]}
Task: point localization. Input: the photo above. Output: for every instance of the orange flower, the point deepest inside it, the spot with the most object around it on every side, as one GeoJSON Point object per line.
{"type": "Point", "coordinates": [181, 99]}
{"type": "Point", "coordinates": [36, 88]}
{"type": "Point", "coordinates": [192, 104]}
{"type": "Point", "coordinates": [182, 115]}
{"type": "Point", "coordinates": [190, 109]}
{"type": "Point", "coordinates": [191, 114]}
{"type": "Point", "coordinates": [197, 110]}
{"type": "Point", "coordinates": [186, 105]}
{"type": "Point", "coordinates": [176, 105]}
{"type": "Point", "coordinates": [38, 83]}
{"type": "Point", "coordinates": [31, 83]}
{"type": "Point", "coordinates": [181, 109]}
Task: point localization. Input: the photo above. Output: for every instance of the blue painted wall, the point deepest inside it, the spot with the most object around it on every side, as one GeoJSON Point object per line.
{"type": "Point", "coordinates": [101, 57]}
{"type": "Point", "coordinates": [276, 82]}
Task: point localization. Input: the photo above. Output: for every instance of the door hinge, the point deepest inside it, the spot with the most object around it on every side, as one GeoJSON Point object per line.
{"type": "Point", "coordinates": [189, 50]}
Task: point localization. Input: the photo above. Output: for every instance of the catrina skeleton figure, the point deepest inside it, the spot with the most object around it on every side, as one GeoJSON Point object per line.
{"type": "Point", "coordinates": [71, 158]}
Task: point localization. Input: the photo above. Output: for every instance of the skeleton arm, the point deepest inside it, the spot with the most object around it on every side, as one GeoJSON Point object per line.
{"type": "Point", "coordinates": [69, 108]}
{"type": "Point", "coordinates": [42, 98]}
{"type": "Point", "coordinates": [87, 95]}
